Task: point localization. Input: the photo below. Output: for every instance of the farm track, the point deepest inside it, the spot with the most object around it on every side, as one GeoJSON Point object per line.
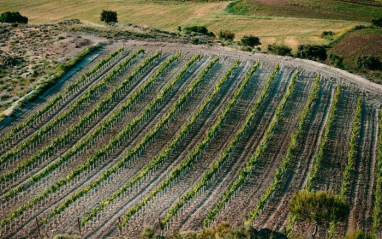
{"type": "Point", "coordinates": [23, 113]}
{"type": "Point", "coordinates": [56, 110]}
{"type": "Point", "coordinates": [141, 161]}
{"type": "Point", "coordinates": [61, 129]}
{"type": "Point", "coordinates": [85, 109]}
{"type": "Point", "coordinates": [275, 215]}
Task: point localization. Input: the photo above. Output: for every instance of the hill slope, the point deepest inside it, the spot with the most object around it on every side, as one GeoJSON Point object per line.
{"type": "Point", "coordinates": [153, 135]}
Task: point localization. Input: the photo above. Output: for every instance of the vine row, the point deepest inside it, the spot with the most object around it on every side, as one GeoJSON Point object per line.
{"type": "Point", "coordinates": [280, 173]}
{"type": "Point", "coordinates": [192, 157]}
{"type": "Point", "coordinates": [226, 154]}
{"type": "Point", "coordinates": [161, 157]}
{"type": "Point", "coordinates": [249, 166]}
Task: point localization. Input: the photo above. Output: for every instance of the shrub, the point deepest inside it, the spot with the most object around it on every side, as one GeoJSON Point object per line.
{"type": "Point", "coordinates": [327, 34]}
{"type": "Point", "coordinates": [377, 22]}
{"type": "Point", "coordinates": [147, 233]}
{"type": "Point", "coordinates": [109, 16]}
{"type": "Point", "coordinates": [320, 207]}
{"type": "Point", "coordinates": [336, 61]}
{"type": "Point", "coordinates": [226, 35]}
{"type": "Point", "coordinates": [359, 235]}
{"type": "Point", "coordinates": [369, 62]}
{"type": "Point", "coordinates": [311, 52]}
{"type": "Point", "coordinates": [13, 17]}
{"type": "Point", "coordinates": [197, 29]}
{"type": "Point", "coordinates": [247, 48]}
{"type": "Point", "coordinates": [279, 50]}
{"type": "Point", "coordinates": [250, 40]}
{"type": "Point", "coordinates": [195, 41]}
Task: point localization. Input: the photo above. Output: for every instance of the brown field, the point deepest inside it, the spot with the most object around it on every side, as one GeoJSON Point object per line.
{"type": "Point", "coordinates": [359, 43]}
{"type": "Point", "coordinates": [27, 152]}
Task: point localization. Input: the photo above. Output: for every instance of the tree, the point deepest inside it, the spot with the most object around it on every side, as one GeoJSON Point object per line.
{"type": "Point", "coordinates": [369, 62]}
{"type": "Point", "coordinates": [377, 22]}
{"type": "Point", "coordinates": [336, 61]}
{"type": "Point", "coordinates": [312, 52]}
{"type": "Point", "coordinates": [250, 40]}
{"type": "Point", "coordinates": [280, 50]}
{"type": "Point", "coordinates": [109, 17]}
{"type": "Point", "coordinates": [226, 35]}
{"type": "Point", "coordinates": [320, 207]}
{"type": "Point", "coordinates": [13, 17]}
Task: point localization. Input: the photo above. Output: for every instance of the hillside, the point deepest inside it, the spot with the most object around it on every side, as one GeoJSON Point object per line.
{"type": "Point", "coordinates": [190, 135]}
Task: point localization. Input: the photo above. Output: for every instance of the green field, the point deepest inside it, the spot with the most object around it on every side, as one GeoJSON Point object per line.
{"type": "Point", "coordinates": [289, 30]}
{"type": "Point", "coordinates": [316, 9]}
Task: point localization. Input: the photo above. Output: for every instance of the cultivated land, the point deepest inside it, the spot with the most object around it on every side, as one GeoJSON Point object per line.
{"type": "Point", "coordinates": [289, 29]}
{"type": "Point", "coordinates": [190, 135]}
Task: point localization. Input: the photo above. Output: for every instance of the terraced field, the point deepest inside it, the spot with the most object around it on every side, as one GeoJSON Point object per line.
{"type": "Point", "coordinates": [185, 137]}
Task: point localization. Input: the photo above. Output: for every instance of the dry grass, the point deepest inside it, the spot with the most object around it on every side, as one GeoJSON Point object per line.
{"type": "Point", "coordinates": [170, 15]}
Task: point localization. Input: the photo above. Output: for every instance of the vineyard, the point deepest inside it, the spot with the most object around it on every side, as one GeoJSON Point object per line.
{"type": "Point", "coordinates": [183, 138]}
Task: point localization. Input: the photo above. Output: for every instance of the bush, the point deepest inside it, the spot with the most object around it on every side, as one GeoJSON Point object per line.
{"type": "Point", "coordinates": [13, 17]}
{"type": "Point", "coordinates": [336, 61]}
{"type": "Point", "coordinates": [247, 48]}
{"type": "Point", "coordinates": [147, 233]}
{"type": "Point", "coordinates": [327, 34]}
{"type": "Point", "coordinates": [197, 29]}
{"type": "Point", "coordinates": [359, 235]}
{"type": "Point", "coordinates": [226, 35]}
{"type": "Point", "coordinates": [369, 62]}
{"type": "Point", "coordinates": [377, 22]}
{"type": "Point", "coordinates": [109, 17]}
{"type": "Point", "coordinates": [311, 52]}
{"type": "Point", "coordinates": [320, 207]}
{"type": "Point", "coordinates": [195, 41]}
{"type": "Point", "coordinates": [280, 50]}
{"type": "Point", "coordinates": [250, 40]}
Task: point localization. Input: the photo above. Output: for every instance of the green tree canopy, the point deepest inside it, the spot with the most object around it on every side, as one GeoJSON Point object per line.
{"type": "Point", "coordinates": [109, 16]}
{"type": "Point", "coordinates": [250, 40]}
{"type": "Point", "coordinates": [13, 17]}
